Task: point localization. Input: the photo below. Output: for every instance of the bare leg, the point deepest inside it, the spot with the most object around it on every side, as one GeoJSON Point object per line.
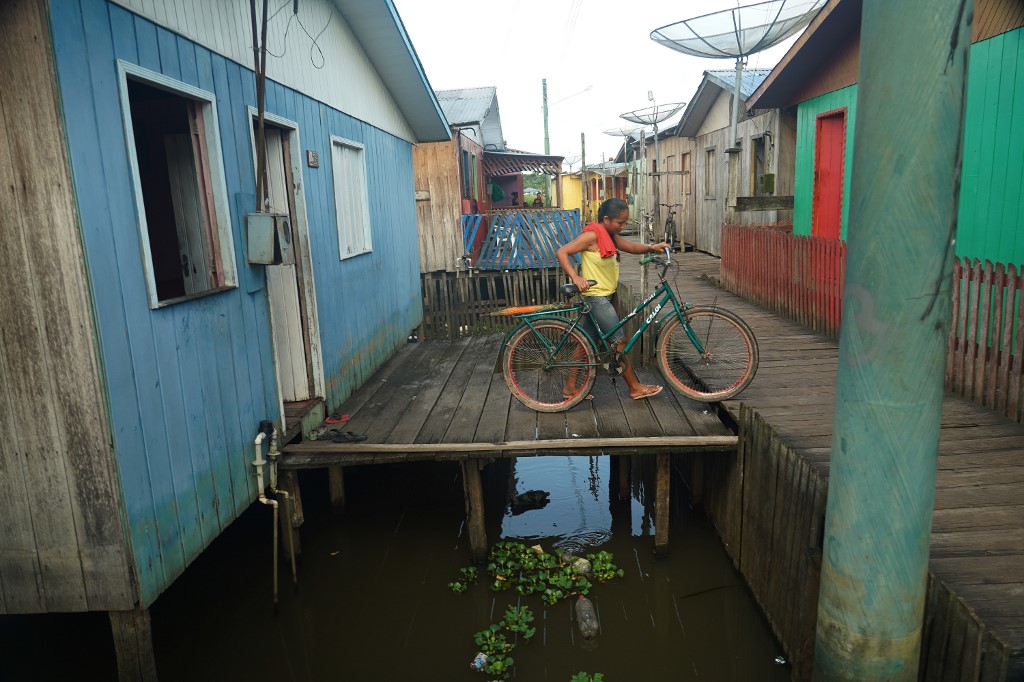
{"type": "Point", "coordinates": [636, 389]}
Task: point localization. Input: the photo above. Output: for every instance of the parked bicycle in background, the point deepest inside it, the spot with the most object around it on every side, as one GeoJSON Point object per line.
{"type": "Point", "coordinates": [671, 233]}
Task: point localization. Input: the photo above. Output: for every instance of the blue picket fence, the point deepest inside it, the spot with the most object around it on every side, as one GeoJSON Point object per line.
{"type": "Point", "coordinates": [519, 240]}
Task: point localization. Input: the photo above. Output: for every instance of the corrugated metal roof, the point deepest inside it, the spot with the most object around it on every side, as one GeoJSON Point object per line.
{"type": "Point", "coordinates": [708, 91]}
{"type": "Point", "coordinates": [726, 79]}
{"type": "Point", "coordinates": [467, 105]}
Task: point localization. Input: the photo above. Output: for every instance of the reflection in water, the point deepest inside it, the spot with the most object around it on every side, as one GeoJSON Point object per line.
{"type": "Point", "coordinates": [373, 602]}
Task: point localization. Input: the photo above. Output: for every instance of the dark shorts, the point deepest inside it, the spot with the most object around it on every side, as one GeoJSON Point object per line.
{"type": "Point", "coordinates": [603, 311]}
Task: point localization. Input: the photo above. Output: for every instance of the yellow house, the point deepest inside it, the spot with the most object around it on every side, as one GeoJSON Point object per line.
{"type": "Point", "coordinates": [572, 192]}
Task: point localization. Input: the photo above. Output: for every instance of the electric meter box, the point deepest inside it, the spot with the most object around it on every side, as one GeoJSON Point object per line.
{"type": "Point", "coordinates": [269, 239]}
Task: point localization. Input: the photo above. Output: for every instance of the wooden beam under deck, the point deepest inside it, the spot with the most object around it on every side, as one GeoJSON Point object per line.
{"type": "Point", "coordinates": [319, 454]}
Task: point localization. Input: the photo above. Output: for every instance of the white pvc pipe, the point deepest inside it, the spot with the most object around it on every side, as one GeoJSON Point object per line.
{"type": "Point", "coordinates": [258, 463]}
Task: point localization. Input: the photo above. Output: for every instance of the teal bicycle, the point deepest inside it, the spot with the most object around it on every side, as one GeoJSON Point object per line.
{"type": "Point", "coordinates": [550, 362]}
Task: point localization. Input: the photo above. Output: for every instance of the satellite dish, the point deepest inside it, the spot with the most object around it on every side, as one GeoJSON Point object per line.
{"type": "Point", "coordinates": [738, 32]}
{"type": "Point", "coordinates": [653, 115]}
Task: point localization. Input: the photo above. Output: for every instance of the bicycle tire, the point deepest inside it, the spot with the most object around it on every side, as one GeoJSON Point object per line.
{"type": "Point", "coordinates": [728, 365]}
{"type": "Point", "coordinates": [670, 232]}
{"type": "Point", "coordinates": [539, 388]}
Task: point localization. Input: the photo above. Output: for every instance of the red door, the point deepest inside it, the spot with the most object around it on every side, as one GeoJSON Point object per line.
{"type": "Point", "coordinates": [829, 145]}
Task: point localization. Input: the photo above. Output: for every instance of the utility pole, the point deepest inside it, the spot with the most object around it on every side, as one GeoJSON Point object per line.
{"type": "Point", "coordinates": [547, 142]}
{"type": "Point", "coordinates": [889, 385]}
{"type": "Point", "coordinates": [585, 210]}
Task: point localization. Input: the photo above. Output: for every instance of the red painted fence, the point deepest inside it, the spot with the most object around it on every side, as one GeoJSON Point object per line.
{"type": "Point", "coordinates": [802, 278]}
{"type": "Point", "coordinates": [799, 277]}
{"type": "Point", "coordinates": [986, 336]}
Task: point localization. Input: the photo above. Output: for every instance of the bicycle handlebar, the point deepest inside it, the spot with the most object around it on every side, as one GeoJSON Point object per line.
{"type": "Point", "coordinates": [658, 260]}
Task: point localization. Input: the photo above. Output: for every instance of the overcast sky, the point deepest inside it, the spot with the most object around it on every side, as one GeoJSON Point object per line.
{"type": "Point", "coordinates": [596, 55]}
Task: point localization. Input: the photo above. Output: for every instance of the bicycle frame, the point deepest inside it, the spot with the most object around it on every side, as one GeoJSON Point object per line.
{"type": "Point", "coordinates": [664, 290]}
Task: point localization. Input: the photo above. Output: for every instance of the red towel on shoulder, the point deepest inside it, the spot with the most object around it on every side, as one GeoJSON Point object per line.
{"type": "Point", "coordinates": [605, 243]}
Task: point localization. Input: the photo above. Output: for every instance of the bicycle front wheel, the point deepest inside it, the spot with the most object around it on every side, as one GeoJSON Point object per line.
{"type": "Point", "coordinates": [727, 364]}
{"type": "Point", "coordinates": [549, 366]}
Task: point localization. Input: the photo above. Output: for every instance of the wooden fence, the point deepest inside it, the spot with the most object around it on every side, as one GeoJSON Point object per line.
{"type": "Point", "coordinates": [457, 304]}
{"type": "Point", "coordinates": [518, 240]}
{"type": "Point", "coordinates": [986, 339]}
{"type": "Point", "coordinates": [799, 277]}
{"type": "Point", "coordinates": [802, 278]}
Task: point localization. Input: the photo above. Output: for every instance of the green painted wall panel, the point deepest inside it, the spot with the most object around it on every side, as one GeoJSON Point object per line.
{"type": "Point", "coordinates": [806, 125]}
{"type": "Point", "coordinates": [991, 198]}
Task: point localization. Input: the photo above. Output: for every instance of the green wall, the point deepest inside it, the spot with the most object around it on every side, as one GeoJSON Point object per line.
{"type": "Point", "coordinates": [992, 180]}
{"type": "Point", "coordinates": [991, 215]}
{"type": "Point", "coordinates": [803, 182]}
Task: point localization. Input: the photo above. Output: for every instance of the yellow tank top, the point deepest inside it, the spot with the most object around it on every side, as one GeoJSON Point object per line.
{"type": "Point", "coordinates": [604, 270]}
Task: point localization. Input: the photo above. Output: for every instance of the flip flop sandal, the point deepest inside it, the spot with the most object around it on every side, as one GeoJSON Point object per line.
{"type": "Point", "coordinates": [347, 437]}
{"type": "Point", "coordinates": [339, 419]}
{"type": "Point", "coordinates": [317, 433]}
{"type": "Point", "coordinates": [649, 393]}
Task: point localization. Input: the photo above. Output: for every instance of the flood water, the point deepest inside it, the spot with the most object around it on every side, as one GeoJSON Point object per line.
{"type": "Point", "coordinates": [373, 602]}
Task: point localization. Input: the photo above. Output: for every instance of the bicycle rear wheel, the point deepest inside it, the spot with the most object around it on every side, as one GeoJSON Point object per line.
{"type": "Point", "coordinates": [729, 360]}
{"type": "Point", "coordinates": [542, 377]}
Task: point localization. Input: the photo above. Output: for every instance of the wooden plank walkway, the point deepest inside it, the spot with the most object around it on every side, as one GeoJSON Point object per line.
{"type": "Point", "coordinates": [977, 552]}
{"type": "Point", "coordinates": [443, 401]}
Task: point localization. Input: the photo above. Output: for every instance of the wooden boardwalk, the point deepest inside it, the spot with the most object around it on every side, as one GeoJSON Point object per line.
{"type": "Point", "coordinates": [976, 587]}
{"type": "Point", "coordinates": [439, 400]}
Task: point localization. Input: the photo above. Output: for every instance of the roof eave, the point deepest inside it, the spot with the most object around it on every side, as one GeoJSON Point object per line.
{"type": "Point", "coordinates": [804, 57]}
{"type": "Point", "coordinates": [379, 29]}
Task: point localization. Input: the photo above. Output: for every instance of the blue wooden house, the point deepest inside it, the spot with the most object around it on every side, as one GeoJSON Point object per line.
{"type": "Point", "coordinates": [141, 347]}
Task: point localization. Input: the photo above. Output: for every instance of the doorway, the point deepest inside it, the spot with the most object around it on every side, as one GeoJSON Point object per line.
{"type": "Point", "coordinates": [293, 317]}
{"type": "Point", "coordinates": [829, 162]}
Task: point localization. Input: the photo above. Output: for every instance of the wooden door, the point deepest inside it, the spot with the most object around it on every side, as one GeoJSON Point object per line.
{"type": "Point", "coordinates": [289, 322]}
{"type": "Point", "coordinates": [829, 152]}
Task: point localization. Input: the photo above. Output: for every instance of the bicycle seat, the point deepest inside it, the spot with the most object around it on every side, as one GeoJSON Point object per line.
{"type": "Point", "coordinates": [571, 289]}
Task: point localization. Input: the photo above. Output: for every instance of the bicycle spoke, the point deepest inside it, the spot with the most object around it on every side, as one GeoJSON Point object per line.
{"type": "Point", "coordinates": [549, 367]}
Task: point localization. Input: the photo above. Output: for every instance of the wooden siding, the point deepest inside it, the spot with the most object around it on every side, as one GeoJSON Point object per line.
{"type": "Point", "coordinates": [992, 17]}
{"type": "Point", "coordinates": [224, 27]}
{"type": "Point", "coordinates": [710, 211]}
{"type": "Point", "coordinates": [438, 207]}
{"type": "Point", "coordinates": [840, 71]}
{"type": "Point", "coordinates": [62, 544]}
{"type": "Point", "coordinates": [188, 383]}
{"type": "Point", "coordinates": [991, 215]}
{"type": "Point", "coordinates": [803, 189]}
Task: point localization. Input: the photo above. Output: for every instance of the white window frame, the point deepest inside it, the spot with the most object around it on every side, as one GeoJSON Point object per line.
{"type": "Point", "coordinates": [363, 237]}
{"type": "Point", "coordinates": [218, 184]}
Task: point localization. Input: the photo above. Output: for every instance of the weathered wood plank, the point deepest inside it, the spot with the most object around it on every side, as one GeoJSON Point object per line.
{"type": "Point", "coordinates": [467, 414]}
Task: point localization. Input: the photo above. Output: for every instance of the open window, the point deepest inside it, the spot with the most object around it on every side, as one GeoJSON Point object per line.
{"type": "Point", "coordinates": [181, 201]}
{"type": "Point", "coordinates": [352, 204]}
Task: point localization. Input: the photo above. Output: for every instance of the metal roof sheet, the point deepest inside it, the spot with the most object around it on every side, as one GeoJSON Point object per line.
{"type": "Point", "coordinates": [467, 105]}
{"type": "Point", "coordinates": [714, 83]}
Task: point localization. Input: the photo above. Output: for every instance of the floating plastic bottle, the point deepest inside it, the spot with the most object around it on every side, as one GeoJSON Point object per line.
{"type": "Point", "coordinates": [586, 617]}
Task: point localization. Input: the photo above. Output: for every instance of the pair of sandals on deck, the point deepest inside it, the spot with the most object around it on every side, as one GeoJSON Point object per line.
{"type": "Point", "coordinates": [646, 391]}
{"type": "Point", "coordinates": [324, 433]}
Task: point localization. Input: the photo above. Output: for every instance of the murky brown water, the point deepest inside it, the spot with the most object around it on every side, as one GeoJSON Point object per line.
{"type": "Point", "coordinates": [373, 601]}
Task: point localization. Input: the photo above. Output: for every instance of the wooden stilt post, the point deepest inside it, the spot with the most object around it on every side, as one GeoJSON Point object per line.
{"type": "Point", "coordinates": [336, 484]}
{"type": "Point", "coordinates": [661, 510]}
{"type": "Point", "coordinates": [289, 482]}
{"type": "Point", "coordinates": [475, 516]}
{"type": "Point", "coordinates": [133, 643]}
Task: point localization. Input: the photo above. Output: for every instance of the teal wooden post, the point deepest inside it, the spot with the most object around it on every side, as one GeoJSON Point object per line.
{"type": "Point", "coordinates": [903, 204]}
